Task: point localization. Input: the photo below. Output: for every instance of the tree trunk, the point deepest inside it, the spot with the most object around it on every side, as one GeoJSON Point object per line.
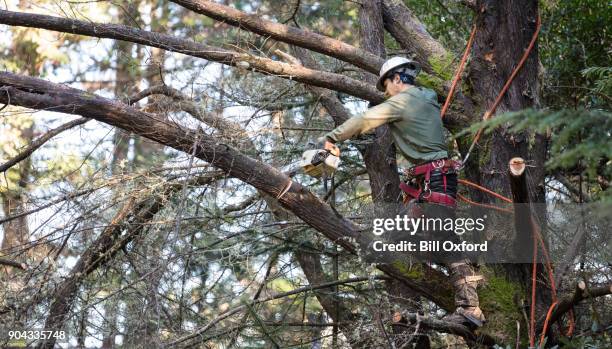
{"type": "Point", "coordinates": [504, 30]}
{"type": "Point", "coordinates": [380, 157]}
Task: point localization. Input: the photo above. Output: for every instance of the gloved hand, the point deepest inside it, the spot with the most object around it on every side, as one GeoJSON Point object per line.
{"type": "Point", "coordinates": [332, 148]}
{"type": "Point", "coordinates": [323, 142]}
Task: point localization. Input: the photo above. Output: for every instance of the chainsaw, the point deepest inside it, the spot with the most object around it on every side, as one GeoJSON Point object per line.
{"type": "Point", "coordinates": [318, 162]}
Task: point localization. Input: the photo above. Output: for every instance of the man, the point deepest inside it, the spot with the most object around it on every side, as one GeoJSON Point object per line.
{"type": "Point", "coordinates": [413, 116]}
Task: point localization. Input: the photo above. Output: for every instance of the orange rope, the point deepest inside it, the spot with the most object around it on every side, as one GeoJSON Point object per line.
{"type": "Point", "coordinates": [548, 314]}
{"type": "Point", "coordinates": [488, 191]}
{"type": "Point", "coordinates": [464, 199]}
{"type": "Point", "coordinates": [457, 77]}
{"type": "Point", "coordinates": [551, 278]}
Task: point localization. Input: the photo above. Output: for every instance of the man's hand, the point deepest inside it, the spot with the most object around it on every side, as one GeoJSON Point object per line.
{"type": "Point", "coordinates": [332, 148]}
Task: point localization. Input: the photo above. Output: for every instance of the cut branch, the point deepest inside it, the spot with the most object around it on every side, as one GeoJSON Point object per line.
{"type": "Point", "coordinates": [291, 35]}
{"type": "Point", "coordinates": [337, 82]}
{"type": "Point", "coordinates": [522, 209]}
{"type": "Point", "coordinates": [581, 293]}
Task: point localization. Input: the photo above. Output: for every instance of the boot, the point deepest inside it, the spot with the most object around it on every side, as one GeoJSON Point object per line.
{"type": "Point", "coordinates": [465, 280]}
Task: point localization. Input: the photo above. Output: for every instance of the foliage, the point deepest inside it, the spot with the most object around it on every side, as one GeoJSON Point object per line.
{"type": "Point", "coordinates": [575, 36]}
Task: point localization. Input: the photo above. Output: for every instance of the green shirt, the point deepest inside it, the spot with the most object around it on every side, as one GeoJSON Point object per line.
{"type": "Point", "coordinates": [414, 119]}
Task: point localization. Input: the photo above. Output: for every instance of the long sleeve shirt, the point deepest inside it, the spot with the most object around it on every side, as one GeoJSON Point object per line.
{"type": "Point", "coordinates": [414, 119]}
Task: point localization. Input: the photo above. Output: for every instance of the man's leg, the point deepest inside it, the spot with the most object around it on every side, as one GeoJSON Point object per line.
{"type": "Point", "coordinates": [465, 280]}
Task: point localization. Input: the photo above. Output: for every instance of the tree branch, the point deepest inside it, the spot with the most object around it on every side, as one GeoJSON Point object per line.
{"type": "Point", "coordinates": [291, 35]}
{"type": "Point", "coordinates": [238, 309]}
{"type": "Point", "coordinates": [39, 142]}
{"type": "Point", "coordinates": [10, 263]}
{"type": "Point", "coordinates": [412, 35]}
{"type": "Point", "coordinates": [581, 293]}
{"type": "Point", "coordinates": [131, 217]}
{"type": "Point", "coordinates": [332, 81]}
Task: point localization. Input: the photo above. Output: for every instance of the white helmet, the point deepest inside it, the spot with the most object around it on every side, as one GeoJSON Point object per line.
{"type": "Point", "coordinates": [409, 66]}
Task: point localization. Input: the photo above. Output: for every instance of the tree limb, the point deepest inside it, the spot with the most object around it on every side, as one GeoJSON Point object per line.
{"type": "Point", "coordinates": [39, 142]}
{"type": "Point", "coordinates": [411, 34]}
{"type": "Point", "coordinates": [291, 35]}
{"type": "Point", "coordinates": [581, 293]}
{"type": "Point", "coordinates": [10, 263]}
{"type": "Point", "coordinates": [332, 81]}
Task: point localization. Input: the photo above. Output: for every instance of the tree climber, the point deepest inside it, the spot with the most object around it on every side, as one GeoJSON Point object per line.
{"type": "Point", "coordinates": [413, 116]}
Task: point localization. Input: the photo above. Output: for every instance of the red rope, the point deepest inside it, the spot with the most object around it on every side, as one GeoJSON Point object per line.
{"type": "Point", "coordinates": [488, 191]}
{"type": "Point", "coordinates": [464, 199]}
{"type": "Point", "coordinates": [458, 72]}
{"type": "Point", "coordinates": [548, 315]}
{"type": "Point", "coordinates": [553, 288]}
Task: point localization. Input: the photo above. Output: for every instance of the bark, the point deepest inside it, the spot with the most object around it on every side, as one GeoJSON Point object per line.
{"type": "Point", "coordinates": [332, 81]}
{"type": "Point", "coordinates": [522, 210]}
{"type": "Point", "coordinates": [37, 94]}
{"type": "Point", "coordinates": [291, 35]}
{"type": "Point", "coordinates": [504, 30]}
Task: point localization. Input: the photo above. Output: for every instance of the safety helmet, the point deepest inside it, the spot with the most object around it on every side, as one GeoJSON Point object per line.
{"type": "Point", "coordinates": [397, 65]}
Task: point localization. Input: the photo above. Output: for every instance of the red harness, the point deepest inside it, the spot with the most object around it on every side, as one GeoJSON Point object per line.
{"type": "Point", "coordinates": [425, 194]}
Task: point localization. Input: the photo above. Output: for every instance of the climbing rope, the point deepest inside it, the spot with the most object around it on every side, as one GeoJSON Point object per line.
{"type": "Point", "coordinates": [479, 204]}
{"type": "Point", "coordinates": [458, 72]}
{"type": "Point", "coordinates": [483, 189]}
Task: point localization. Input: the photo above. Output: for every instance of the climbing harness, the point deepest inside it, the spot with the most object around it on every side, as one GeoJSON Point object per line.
{"type": "Point", "coordinates": [414, 190]}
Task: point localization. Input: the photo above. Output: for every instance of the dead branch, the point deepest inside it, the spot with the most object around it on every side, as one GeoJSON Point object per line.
{"type": "Point", "coordinates": [581, 293]}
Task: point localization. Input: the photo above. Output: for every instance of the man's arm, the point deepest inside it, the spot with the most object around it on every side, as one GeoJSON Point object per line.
{"type": "Point", "coordinates": [381, 114]}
